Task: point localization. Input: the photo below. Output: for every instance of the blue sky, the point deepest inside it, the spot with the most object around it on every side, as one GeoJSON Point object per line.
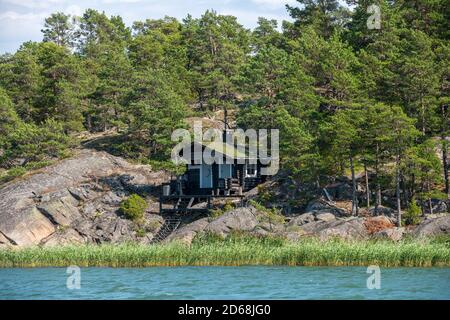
{"type": "Point", "coordinates": [22, 20]}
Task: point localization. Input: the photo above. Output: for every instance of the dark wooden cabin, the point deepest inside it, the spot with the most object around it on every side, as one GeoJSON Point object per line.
{"type": "Point", "coordinates": [238, 173]}
{"type": "Point", "coordinates": [234, 175]}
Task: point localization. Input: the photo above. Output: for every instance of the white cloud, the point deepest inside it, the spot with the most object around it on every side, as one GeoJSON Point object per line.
{"type": "Point", "coordinates": [250, 18]}
{"type": "Point", "coordinates": [120, 1]}
{"type": "Point", "coordinates": [274, 3]}
{"type": "Point", "coordinates": [17, 28]}
{"type": "Point", "coordinates": [12, 15]}
{"type": "Point", "coordinates": [74, 10]}
{"type": "Point", "coordinates": [35, 4]}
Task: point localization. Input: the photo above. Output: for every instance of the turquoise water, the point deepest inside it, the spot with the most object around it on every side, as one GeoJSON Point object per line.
{"type": "Point", "coordinates": [226, 283]}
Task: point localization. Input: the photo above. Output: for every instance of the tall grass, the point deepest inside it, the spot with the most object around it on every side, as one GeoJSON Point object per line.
{"type": "Point", "coordinates": [237, 250]}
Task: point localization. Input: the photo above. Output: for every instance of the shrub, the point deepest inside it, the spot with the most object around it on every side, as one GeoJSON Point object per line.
{"type": "Point", "coordinates": [152, 226]}
{"type": "Point", "coordinates": [270, 215]}
{"type": "Point", "coordinates": [228, 206]}
{"type": "Point", "coordinates": [133, 207]}
{"type": "Point", "coordinates": [215, 213]}
{"type": "Point", "coordinates": [12, 173]}
{"type": "Point", "coordinates": [35, 143]}
{"type": "Point", "coordinates": [140, 233]}
{"type": "Point", "coordinates": [412, 215]}
{"type": "Point", "coordinates": [37, 165]}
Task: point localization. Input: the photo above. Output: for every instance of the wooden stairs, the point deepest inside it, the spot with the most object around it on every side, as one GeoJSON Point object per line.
{"type": "Point", "coordinates": [170, 225]}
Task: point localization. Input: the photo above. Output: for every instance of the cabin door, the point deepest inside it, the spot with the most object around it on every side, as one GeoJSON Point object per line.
{"type": "Point", "coordinates": [206, 175]}
{"type": "Point", "coordinates": [194, 176]}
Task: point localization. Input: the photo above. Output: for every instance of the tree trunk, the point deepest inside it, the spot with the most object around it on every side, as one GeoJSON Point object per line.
{"type": "Point", "coordinates": [367, 186]}
{"type": "Point", "coordinates": [397, 187]}
{"type": "Point", "coordinates": [354, 195]}
{"type": "Point", "coordinates": [422, 108]}
{"type": "Point", "coordinates": [405, 192]}
{"type": "Point", "coordinates": [89, 123]}
{"type": "Point", "coordinates": [378, 187]}
{"type": "Point", "coordinates": [445, 165]}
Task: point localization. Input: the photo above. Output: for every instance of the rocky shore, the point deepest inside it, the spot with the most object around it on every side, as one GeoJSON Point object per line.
{"type": "Point", "coordinates": [76, 201]}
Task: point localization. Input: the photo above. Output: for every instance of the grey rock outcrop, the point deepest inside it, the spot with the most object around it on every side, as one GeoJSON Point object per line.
{"type": "Point", "coordinates": [311, 217]}
{"type": "Point", "coordinates": [325, 216]}
{"type": "Point", "coordinates": [240, 219]}
{"type": "Point", "coordinates": [395, 234]}
{"type": "Point", "coordinates": [322, 206]}
{"type": "Point", "coordinates": [74, 201]}
{"type": "Point", "coordinates": [188, 232]}
{"type": "Point", "coordinates": [302, 219]}
{"type": "Point", "coordinates": [352, 228]}
{"type": "Point", "coordinates": [433, 227]}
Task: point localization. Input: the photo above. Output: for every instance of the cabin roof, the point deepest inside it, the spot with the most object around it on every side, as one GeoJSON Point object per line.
{"type": "Point", "coordinates": [226, 149]}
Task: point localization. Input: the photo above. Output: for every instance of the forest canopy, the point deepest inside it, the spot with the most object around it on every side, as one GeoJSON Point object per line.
{"type": "Point", "coordinates": [345, 97]}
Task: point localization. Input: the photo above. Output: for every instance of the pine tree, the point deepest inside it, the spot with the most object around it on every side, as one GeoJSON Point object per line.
{"type": "Point", "coordinates": [21, 78]}
{"type": "Point", "coordinates": [59, 28]}
{"type": "Point", "coordinates": [344, 133]}
{"type": "Point", "coordinates": [63, 87]}
{"type": "Point", "coordinates": [324, 16]}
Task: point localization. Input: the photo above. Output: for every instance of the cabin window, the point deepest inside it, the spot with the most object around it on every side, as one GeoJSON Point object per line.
{"type": "Point", "coordinates": [250, 170]}
{"type": "Point", "coordinates": [225, 171]}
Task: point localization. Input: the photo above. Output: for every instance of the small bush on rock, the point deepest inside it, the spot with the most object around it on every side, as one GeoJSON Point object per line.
{"type": "Point", "coordinates": [412, 215]}
{"type": "Point", "coordinates": [133, 207]}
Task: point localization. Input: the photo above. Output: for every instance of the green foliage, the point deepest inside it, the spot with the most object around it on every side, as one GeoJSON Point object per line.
{"type": "Point", "coordinates": [264, 194]}
{"type": "Point", "coordinates": [36, 143]}
{"type": "Point", "coordinates": [228, 206]}
{"type": "Point", "coordinates": [155, 111]}
{"type": "Point", "coordinates": [342, 95]}
{"type": "Point", "coordinates": [140, 232]}
{"type": "Point", "coordinates": [8, 119]}
{"type": "Point", "coordinates": [215, 213]}
{"type": "Point", "coordinates": [216, 48]}
{"type": "Point", "coordinates": [325, 16]}
{"type": "Point", "coordinates": [237, 249]}
{"type": "Point", "coordinates": [272, 215]}
{"type": "Point", "coordinates": [168, 166]}
{"type": "Point", "coordinates": [59, 28]}
{"type": "Point", "coordinates": [422, 163]}
{"type": "Point", "coordinates": [133, 207]}
{"type": "Point", "coordinates": [152, 226]}
{"type": "Point", "coordinates": [412, 214]}
{"type": "Point", "coordinates": [12, 173]}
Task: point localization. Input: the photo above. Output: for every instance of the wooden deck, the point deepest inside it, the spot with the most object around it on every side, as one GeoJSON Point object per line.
{"type": "Point", "coordinates": [182, 204]}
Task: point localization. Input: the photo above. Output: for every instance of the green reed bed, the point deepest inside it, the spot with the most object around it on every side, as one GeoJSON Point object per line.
{"type": "Point", "coordinates": [238, 250]}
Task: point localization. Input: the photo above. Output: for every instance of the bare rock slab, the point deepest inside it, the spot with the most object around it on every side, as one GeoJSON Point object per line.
{"type": "Point", "coordinates": [240, 219]}
{"type": "Point", "coordinates": [433, 227]}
